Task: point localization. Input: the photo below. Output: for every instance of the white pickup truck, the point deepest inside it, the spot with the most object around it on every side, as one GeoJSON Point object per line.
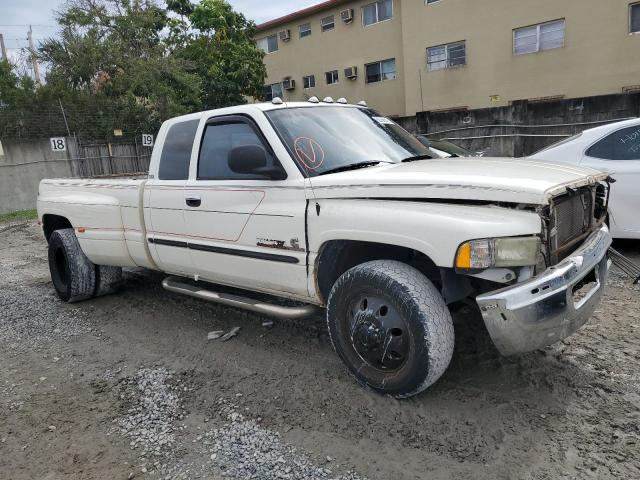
{"type": "Point", "coordinates": [332, 205]}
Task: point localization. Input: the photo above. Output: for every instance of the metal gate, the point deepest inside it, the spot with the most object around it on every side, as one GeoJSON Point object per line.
{"type": "Point", "coordinates": [108, 159]}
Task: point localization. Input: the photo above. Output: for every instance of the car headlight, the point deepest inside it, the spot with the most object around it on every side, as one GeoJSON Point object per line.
{"type": "Point", "coordinates": [498, 252]}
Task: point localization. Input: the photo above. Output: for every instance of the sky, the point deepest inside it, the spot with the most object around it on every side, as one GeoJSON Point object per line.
{"type": "Point", "coordinates": [16, 15]}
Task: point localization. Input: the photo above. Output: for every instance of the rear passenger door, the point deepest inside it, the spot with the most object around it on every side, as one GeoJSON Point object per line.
{"type": "Point", "coordinates": [165, 202]}
{"type": "Point", "coordinates": [619, 154]}
{"type": "Point", "coordinates": [246, 230]}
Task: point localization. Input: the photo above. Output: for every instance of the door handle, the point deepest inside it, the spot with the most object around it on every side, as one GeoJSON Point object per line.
{"type": "Point", "coordinates": [194, 202]}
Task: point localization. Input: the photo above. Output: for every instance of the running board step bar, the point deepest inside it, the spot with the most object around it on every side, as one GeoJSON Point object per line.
{"type": "Point", "coordinates": [178, 285]}
{"type": "Point", "coordinates": [626, 265]}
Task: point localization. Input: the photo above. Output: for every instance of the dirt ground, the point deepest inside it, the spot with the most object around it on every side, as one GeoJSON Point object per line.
{"type": "Point", "coordinates": [68, 389]}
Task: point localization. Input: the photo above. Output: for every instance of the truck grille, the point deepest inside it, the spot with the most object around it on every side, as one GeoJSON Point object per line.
{"type": "Point", "coordinates": [573, 217]}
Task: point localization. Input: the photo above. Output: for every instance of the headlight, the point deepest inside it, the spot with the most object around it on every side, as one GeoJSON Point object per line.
{"type": "Point", "coordinates": [498, 252]}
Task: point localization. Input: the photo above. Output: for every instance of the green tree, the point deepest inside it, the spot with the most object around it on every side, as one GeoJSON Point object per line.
{"type": "Point", "coordinates": [114, 49]}
{"type": "Point", "coordinates": [132, 64]}
{"type": "Point", "coordinates": [222, 52]}
{"type": "Point", "coordinates": [14, 89]}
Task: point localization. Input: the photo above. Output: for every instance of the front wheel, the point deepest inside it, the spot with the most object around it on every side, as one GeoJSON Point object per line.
{"type": "Point", "coordinates": [390, 326]}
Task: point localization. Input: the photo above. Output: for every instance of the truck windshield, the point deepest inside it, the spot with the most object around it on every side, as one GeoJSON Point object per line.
{"type": "Point", "coordinates": [324, 139]}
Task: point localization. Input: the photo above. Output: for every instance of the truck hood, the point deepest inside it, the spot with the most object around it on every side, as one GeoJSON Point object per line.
{"type": "Point", "coordinates": [476, 179]}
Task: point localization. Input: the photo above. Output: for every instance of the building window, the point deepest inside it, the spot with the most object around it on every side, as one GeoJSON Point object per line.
{"type": "Point", "coordinates": [377, 12]}
{"type": "Point", "coordinates": [332, 77]}
{"type": "Point", "coordinates": [273, 91]}
{"type": "Point", "coordinates": [381, 71]}
{"type": "Point", "coordinates": [450, 55]}
{"type": "Point", "coordinates": [309, 81]}
{"type": "Point", "coordinates": [268, 44]}
{"type": "Point", "coordinates": [536, 38]}
{"type": "Point", "coordinates": [305, 30]}
{"type": "Point", "coordinates": [328, 23]}
{"type": "Point", "coordinates": [634, 18]}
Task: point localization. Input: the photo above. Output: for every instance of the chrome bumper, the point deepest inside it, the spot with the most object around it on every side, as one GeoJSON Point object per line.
{"type": "Point", "coordinates": [543, 311]}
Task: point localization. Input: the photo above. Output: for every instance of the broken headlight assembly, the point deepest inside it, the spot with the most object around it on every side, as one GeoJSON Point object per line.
{"type": "Point", "coordinates": [498, 253]}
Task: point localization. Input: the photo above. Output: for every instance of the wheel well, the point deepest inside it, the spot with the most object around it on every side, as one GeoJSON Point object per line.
{"type": "Point", "coordinates": [338, 256]}
{"type": "Point", "coordinates": [51, 223]}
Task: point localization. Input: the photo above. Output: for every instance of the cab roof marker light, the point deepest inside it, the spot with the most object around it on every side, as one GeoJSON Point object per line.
{"type": "Point", "coordinates": [277, 101]}
{"type": "Point", "coordinates": [342, 101]}
{"type": "Point", "coordinates": [313, 100]}
{"type": "Point", "coordinates": [327, 100]}
{"type": "Point", "coordinates": [362, 103]}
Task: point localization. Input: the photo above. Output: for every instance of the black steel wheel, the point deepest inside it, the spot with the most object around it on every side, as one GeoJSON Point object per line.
{"type": "Point", "coordinates": [378, 331]}
{"type": "Point", "coordinates": [391, 327]}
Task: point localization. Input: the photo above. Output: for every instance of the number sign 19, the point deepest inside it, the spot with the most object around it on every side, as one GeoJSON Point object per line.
{"type": "Point", "coordinates": [58, 144]}
{"type": "Point", "coordinates": [147, 140]}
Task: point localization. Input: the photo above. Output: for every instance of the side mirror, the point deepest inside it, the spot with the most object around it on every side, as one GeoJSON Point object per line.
{"type": "Point", "coordinates": [247, 159]}
{"type": "Point", "coordinates": [252, 159]}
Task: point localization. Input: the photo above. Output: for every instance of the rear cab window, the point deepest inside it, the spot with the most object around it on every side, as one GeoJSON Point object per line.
{"type": "Point", "coordinates": [176, 150]}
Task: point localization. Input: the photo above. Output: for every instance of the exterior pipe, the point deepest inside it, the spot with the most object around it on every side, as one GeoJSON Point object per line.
{"type": "Point", "coordinates": [174, 284]}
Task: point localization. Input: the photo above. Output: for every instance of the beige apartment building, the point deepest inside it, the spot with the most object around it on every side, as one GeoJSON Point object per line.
{"type": "Point", "coordinates": [409, 56]}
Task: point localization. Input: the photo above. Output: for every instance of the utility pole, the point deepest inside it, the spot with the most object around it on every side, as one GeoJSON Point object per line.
{"type": "Point", "coordinates": [3, 49]}
{"type": "Point", "coordinates": [34, 59]}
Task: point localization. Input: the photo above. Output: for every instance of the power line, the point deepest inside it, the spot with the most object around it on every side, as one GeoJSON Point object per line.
{"type": "Point", "coordinates": [27, 25]}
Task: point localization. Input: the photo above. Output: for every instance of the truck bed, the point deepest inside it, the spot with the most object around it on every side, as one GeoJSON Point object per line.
{"type": "Point", "coordinates": [105, 213]}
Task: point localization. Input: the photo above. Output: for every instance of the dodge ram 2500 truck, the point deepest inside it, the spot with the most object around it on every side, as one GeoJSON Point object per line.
{"type": "Point", "coordinates": [332, 205]}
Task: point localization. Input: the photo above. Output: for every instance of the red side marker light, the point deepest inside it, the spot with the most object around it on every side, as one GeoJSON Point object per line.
{"type": "Point", "coordinates": [82, 230]}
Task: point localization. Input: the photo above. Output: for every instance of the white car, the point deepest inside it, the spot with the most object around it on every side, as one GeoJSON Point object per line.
{"type": "Point", "coordinates": [614, 149]}
{"type": "Point", "coordinates": [335, 206]}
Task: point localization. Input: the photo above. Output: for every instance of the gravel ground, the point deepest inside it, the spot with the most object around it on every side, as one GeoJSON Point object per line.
{"type": "Point", "coordinates": [128, 386]}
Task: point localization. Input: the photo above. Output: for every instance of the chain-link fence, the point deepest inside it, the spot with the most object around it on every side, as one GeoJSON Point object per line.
{"type": "Point", "coordinates": [98, 139]}
{"type": "Point", "coordinates": [95, 121]}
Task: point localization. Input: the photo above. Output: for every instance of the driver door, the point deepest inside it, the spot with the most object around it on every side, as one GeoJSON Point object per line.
{"type": "Point", "coordinates": [245, 230]}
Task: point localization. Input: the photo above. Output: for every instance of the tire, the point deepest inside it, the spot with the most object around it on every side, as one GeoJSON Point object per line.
{"type": "Point", "coordinates": [73, 274]}
{"type": "Point", "coordinates": [108, 280]}
{"type": "Point", "coordinates": [390, 326]}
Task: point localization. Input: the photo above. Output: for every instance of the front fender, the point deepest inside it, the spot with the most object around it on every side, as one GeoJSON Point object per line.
{"type": "Point", "coordinates": [434, 229]}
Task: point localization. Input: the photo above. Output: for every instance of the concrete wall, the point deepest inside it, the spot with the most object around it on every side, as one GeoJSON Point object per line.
{"type": "Point", "coordinates": [523, 127]}
{"type": "Point", "coordinates": [23, 165]}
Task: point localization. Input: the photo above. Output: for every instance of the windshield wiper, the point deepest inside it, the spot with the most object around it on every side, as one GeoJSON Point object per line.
{"type": "Point", "coordinates": [353, 166]}
{"type": "Point", "coordinates": [416, 158]}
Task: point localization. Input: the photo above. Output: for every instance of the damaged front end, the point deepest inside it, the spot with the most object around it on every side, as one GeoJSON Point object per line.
{"type": "Point", "coordinates": [571, 217]}
{"type": "Point", "coordinates": [567, 287]}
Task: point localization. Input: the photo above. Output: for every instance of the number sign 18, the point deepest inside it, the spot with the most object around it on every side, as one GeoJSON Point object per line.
{"type": "Point", "coordinates": [58, 144]}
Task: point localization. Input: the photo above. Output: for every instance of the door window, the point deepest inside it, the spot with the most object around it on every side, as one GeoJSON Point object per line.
{"type": "Point", "coordinates": [621, 145]}
{"type": "Point", "coordinates": [219, 139]}
{"type": "Point", "coordinates": [176, 151]}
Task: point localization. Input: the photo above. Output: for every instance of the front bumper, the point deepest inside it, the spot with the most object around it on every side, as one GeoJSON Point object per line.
{"type": "Point", "coordinates": [544, 310]}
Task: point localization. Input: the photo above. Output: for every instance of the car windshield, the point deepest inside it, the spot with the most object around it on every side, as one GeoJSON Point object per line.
{"type": "Point", "coordinates": [450, 149]}
{"type": "Point", "coordinates": [324, 139]}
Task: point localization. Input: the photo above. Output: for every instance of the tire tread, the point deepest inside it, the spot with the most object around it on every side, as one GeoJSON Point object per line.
{"type": "Point", "coordinates": [433, 312]}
